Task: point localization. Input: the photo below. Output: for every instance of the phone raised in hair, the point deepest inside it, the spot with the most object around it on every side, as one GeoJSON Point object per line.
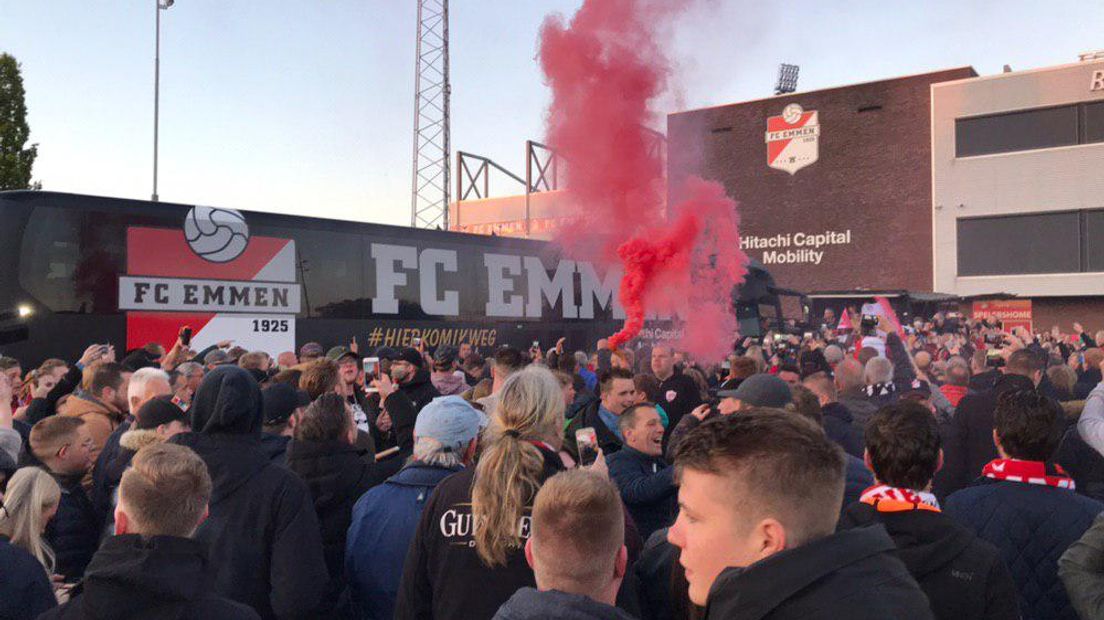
{"type": "Point", "coordinates": [586, 440]}
{"type": "Point", "coordinates": [186, 335]}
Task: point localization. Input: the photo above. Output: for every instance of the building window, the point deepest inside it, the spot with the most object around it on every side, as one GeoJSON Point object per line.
{"type": "Point", "coordinates": [1094, 122]}
{"type": "Point", "coordinates": [1016, 131]}
{"type": "Point", "coordinates": [1094, 240]}
{"type": "Point", "coordinates": [1020, 244]}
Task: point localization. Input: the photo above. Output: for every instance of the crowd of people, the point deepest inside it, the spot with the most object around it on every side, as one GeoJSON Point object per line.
{"type": "Point", "coordinates": [947, 468]}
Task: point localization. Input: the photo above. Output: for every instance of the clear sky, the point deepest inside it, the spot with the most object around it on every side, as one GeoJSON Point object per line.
{"type": "Point", "coordinates": [306, 106]}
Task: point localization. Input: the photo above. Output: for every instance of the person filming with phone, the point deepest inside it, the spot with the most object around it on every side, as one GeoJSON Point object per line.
{"type": "Point", "coordinates": [617, 393]}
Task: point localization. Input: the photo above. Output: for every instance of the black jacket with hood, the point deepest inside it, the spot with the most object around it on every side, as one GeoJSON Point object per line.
{"type": "Point", "coordinates": [850, 574]}
{"type": "Point", "coordinates": [963, 576]}
{"type": "Point", "coordinates": [262, 534]}
{"type": "Point", "coordinates": [150, 579]}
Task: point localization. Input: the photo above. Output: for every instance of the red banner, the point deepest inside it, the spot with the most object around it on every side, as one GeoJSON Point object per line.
{"type": "Point", "coordinates": [1012, 312]}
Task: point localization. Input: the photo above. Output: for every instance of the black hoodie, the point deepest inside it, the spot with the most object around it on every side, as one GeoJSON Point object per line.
{"type": "Point", "coordinates": [262, 534]}
{"type": "Point", "coordinates": [158, 577]}
{"type": "Point", "coordinates": [963, 576]}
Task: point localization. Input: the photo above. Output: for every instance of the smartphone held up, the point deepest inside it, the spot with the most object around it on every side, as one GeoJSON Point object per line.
{"type": "Point", "coordinates": [586, 440]}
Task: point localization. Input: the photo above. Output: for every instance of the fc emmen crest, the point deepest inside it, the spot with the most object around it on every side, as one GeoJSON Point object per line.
{"type": "Point", "coordinates": [792, 139]}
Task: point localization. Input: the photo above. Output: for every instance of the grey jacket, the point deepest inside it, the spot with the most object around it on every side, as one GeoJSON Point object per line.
{"type": "Point", "coordinates": [1081, 569]}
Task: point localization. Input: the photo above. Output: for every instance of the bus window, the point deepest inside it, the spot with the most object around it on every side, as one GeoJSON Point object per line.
{"type": "Point", "coordinates": [330, 268]}
{"type": "Point", "coordinates": [70, 264]}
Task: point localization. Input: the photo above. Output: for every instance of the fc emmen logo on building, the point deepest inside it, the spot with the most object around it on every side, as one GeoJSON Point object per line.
{"type": "Point", "coordinates": [792, 138]}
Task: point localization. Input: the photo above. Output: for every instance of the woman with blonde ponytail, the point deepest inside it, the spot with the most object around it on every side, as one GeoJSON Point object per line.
{"type": "Point", "coordinates": [467, 557]}
{"type": "Point", "coordinates": [26, 560]}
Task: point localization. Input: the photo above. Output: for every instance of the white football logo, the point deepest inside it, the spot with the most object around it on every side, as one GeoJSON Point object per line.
{"type": "Point", "coordinates": [217, 235]}
{"type": "Point", "coordinates": [792, 113]}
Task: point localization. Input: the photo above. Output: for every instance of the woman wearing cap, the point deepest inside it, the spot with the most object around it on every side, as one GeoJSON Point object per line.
{"type": "Point", "coordinates": [457, 571]}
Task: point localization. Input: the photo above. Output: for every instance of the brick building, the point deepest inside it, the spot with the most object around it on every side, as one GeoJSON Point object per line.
{"type": "Point", "coordinates": [847, 202]}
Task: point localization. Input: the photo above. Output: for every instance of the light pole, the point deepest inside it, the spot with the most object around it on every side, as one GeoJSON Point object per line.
{"type": "Point", "coordinates": [161, 5]}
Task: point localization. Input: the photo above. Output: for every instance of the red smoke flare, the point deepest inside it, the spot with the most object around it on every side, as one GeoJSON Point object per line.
{"type": "Point", "coordinates": [606, 69]}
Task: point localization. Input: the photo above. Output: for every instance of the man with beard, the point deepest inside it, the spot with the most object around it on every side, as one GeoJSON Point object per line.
{"type": "Point", "coordinates": [403, 395]}
{"type": "Point", "coordinates": [103, 407]}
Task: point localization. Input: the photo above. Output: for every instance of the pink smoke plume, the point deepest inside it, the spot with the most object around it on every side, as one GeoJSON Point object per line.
{"type": "Point", "coordinates": [606, 69]}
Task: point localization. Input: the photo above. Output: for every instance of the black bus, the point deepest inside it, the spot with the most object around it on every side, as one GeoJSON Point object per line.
{"type": "Point", "coordinates": [81, 269]}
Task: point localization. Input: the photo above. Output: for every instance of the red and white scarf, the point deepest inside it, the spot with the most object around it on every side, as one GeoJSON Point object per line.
{"type": "Point", "coordinates": [1031, 472]}
{"type": "Point", "coordinates": [895, 499]}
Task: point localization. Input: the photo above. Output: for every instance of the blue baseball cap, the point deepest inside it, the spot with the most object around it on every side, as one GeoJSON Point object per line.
{"type": "Point", "coordinates": [451, 421]}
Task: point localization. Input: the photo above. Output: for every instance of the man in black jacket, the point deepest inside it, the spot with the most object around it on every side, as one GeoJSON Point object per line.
{"type": "Point", "coordinates": [413, 379]}
{"type": "Point", "coordinates": [325, 456]}
{"type": "Point", "coordinates": [680, 395]}
{"type": "Point", "coordinates": [618, 392]}
{"type": "Point", "coordinates": [262, 534]}
{"type": "Point", "coordinates": [839, 425]}
{"type": "Point", "coordinates": [646, 482]}
{"type": "Point", "coordinates": [971, 442]}
{"type": "Point", "coordinates": [283, 406]}
{"type": "Point", "coordinates": [152, 568]}
{"type": "Point", "coordinates": [963, 576]}
{"type": "Point", "coordinates": [63, 445]}
{"type": "Point", "coordinates": [759, 496]}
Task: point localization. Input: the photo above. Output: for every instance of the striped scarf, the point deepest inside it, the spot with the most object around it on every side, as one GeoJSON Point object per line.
{"type": "Point", "coordinates": [1031, 472]}
{"type": "Point", "coordinates": [895, 499]}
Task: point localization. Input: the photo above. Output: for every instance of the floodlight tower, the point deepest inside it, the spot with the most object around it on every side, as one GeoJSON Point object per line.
{"type": "Point", "coordinates": [787, 79]}
{"type": "Point", "coordinates": [430, 191]}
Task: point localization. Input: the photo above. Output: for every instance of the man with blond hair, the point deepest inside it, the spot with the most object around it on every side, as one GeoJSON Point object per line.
{"type": "Point", "coordinates": [576, 551]}
{"type": "Point", "coordinates": [152, 567]}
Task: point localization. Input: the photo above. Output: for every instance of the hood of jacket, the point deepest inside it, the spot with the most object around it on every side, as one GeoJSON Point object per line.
{"type": "Point", "coordinates": [227, 402]}
{"type": "Point", "coordinates": [926, 541]}
{"type": "Point", "coordinates": [531, 603]}
{"type": "Point", "coordinates": [333, 471]}
{"type": "Point", "coordinates": [448, 383]}
{"type": "Point", "coordinates": [275, 447]}
{"type": "Point", "coordinates": [416, 474]}
{"type": "Point", "coordinates": [135, 439]}
{"type": "Point", "coordinates": [130, 575]}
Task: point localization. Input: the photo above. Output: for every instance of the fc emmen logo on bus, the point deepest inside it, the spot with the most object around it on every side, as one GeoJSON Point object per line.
{"type": "Point", "coordinates": [217, 235]}
{"type": "Point", "coordinates": [792, 139]}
